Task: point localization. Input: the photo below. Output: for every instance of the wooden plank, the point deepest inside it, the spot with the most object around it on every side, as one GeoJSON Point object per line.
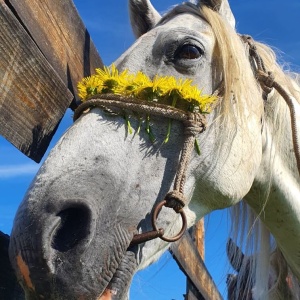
{"type": "Point", "coordinates": [192, 292]}
{"type": "Point", "coordinates": [191, 264]}
{"type": "Point", "coordinates": [197, 233]}
{"type": "Point", "coordinates": [199, 236]}
{"type": "Point", "coordinates": [33, 98]}
{"type": "Point", "coordinates": [9, 287]}
{"type": "Point", "coordinates": [59, 32]}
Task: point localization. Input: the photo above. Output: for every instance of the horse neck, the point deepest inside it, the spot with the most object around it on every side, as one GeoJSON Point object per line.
{"type": "Point", "coordinates": [278, 167]}
{"type": "Point", "coordinates": [275, 193]}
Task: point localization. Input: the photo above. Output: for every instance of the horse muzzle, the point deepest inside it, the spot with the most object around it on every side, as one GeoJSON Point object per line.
{"type": "Point", "coordinates": [67, 256]}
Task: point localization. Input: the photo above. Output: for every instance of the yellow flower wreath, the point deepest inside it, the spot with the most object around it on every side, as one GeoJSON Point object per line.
{"type": "Point", "coordinates": [161, 89]}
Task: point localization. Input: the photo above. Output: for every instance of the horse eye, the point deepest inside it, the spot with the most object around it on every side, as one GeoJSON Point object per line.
{"type": "Point", "coordinates": [188, 52]}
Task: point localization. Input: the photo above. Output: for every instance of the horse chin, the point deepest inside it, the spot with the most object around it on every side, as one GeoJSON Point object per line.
{"type": "Point", "coordinates": [119, 284]}
{"type": "Point", "coordinates": [104, 280]}
{"type": "Point", "coordinates": [95, 285]}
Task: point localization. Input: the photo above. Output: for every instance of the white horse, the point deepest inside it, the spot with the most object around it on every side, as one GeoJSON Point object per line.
{"type": "Point", "coordinates": [72, 233]}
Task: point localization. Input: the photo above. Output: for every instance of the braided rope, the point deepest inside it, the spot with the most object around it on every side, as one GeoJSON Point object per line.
{"type": "Point", "coordinates": [129, 103]}
{"type": "Point", "coordinates": [267, 82]}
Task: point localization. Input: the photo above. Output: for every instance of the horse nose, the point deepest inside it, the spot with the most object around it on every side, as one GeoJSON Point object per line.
{"type": "Point", "coordinates": [73, 228]}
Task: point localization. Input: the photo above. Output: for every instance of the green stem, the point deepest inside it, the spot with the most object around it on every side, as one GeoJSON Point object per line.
{"type": "Point", "coordinates": [197, 147]}
{"type": "Point", "coordinates": [129, 128]}
{"type": "Point", "coordinates": [149, 130]}
{"type": "Point", "coordinates": [139, 125]}
{"type": "Point", "coordinates": [168, 132]}
{"type": "Point", "coordinates": [174, 101]}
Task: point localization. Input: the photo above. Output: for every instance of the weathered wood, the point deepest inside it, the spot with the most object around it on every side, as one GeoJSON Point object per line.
{"type": "Point", "coordinates": [59, 32]}
{"type": "Point", "coordinates": [197, 233]}
{"type": "Point", "coordinates": [33, 99]}
{"type": "Point", "coordinates": [199, 236]}
{"type": "Point", "coordinates": [9, 287]}
{"type": "Point", "coordinates": [191, 263]}
{"type": "Point", "coordinates": [33, 92]}
{"type": "Point", "coordinates": [192, 293]}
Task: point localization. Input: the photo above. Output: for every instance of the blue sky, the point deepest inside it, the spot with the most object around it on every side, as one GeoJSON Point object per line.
{"type": "Point", "coordinates": [274, 22]}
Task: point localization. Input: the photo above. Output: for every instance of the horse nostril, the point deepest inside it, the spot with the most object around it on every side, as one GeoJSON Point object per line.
{"type": "Point", "coordinates": [74, 227]}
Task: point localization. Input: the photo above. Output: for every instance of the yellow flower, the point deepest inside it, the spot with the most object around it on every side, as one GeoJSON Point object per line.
{"type": "Point", "coordinates": [183, 90]}
{"type": "Point", "coordinates": [159, 83]}
{"type": "Point", "coordinates": [138, 85]}
{"type": "Point", "coordinates": [173, 86]}
{"type": "Point", "coordinates": [89, 86]}
{"type": "Point", "coordinates": [113, 81]}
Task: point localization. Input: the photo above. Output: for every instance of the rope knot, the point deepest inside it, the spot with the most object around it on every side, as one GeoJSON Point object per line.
{"type": "Point", "coordinates": [175, 200]}
{"type": "Point", "coordinates": [249, 40]}
{"type": "Point", "coordinates": [194, 124]}
{"type": "Point", "coordinates": [266, 80]}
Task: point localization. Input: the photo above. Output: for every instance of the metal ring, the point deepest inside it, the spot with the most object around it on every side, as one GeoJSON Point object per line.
{"type": "Point", "coordinates": [154, 218]}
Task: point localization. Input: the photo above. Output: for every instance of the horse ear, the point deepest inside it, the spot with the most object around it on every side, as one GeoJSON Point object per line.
{"type": "Point", "coordinates": [143, 16]}
{"type": "Point", "coordinates": [221, 6]}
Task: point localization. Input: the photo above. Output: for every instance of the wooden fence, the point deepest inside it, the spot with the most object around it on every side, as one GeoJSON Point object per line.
{"type": "Point", "coordinates": [45, 50]}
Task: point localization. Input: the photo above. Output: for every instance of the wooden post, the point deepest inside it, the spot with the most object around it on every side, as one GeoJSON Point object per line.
{"type": "Point", "coordinates": [197, 233]}
{"type": "Point", "coordinates": [33, 98]}
{"type": "Point", "coordinates": [44, 51]}
{"type": "Point", "coordinates": [190, 262]}
{"type": "Point", "coordinates": [60, 34]}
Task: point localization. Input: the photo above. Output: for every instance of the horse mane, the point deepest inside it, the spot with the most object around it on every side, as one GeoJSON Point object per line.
{"type": "Point", "coordinates": [234, 69]}
{"type": "Point", "coordinates": [247, 229]}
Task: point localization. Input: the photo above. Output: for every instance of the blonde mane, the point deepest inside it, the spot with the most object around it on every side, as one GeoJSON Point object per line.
{"type": "Point", "coordinates": [239, 81]}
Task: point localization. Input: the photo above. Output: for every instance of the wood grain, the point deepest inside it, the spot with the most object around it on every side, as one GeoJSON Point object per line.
{"type": "Point", "coordinates": [59, 32]}
{"type": "Point", "coordinates": [33, 98]}
{"type": "Point", "coordinates": [190, 262]}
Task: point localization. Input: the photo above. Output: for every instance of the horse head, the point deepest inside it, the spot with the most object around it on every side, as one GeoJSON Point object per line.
{"type": "Point", "coordinates": [99, 186]}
